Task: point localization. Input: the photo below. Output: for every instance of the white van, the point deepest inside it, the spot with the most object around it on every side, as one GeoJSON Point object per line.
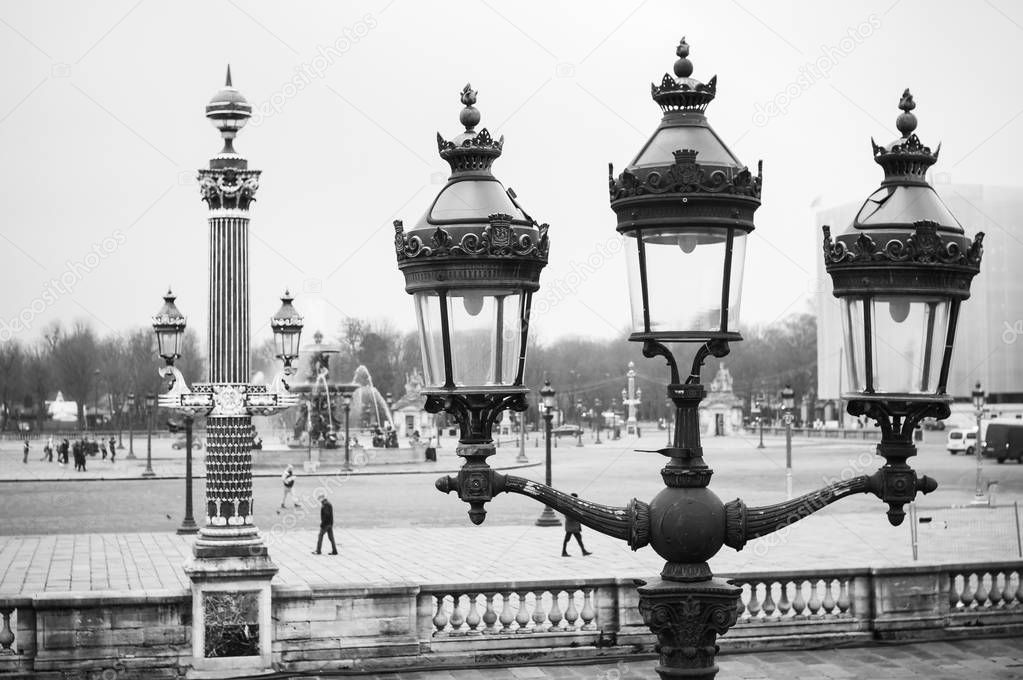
{"type": "Point", "coordinates": [962, 439]}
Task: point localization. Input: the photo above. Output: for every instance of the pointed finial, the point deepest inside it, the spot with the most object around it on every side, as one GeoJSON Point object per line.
{"type": "Point", "coordinates": [906, 122]}
{"type": "Point", "coordinates": [683, 67]}
{"type": "Point", "coordinates": [169, 297]}
{"type": "Point", "coordinates": [470, 116]}
{"type": "Point", "coordinates": [227, 82]}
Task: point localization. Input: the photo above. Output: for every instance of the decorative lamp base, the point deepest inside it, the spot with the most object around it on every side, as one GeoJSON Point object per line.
{"type": "Point", "coordinates": [188, 526]}
{"type": "Point", "coordinates": [548, 518]}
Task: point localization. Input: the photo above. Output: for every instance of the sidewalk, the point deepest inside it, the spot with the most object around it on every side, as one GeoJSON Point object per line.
{"type": "Point", "coordinates": [152, 561]}
{"type": "Point", "coordinates": [992, 659]}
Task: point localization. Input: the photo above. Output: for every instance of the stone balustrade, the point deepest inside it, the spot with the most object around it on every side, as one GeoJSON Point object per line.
{"type": "Point", "coordinates": [320, 628]}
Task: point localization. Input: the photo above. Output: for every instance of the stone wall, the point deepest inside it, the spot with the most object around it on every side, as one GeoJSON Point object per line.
{"type": "Point", "coordinates": [148, 635]}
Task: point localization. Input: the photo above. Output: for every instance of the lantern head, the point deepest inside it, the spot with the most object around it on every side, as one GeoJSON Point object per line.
{"type": "Point", "coordinates": [685, 205]}
{"type": "Point", "coordinates": [169, 325]}
{"type": "Point", "coordinates": [287, 329]}
{"type": "Point", "coordinates": [979, 398]}
{"type": "Point", "coordinates": [901, 271]}
{"type": "Point", "coordinates": [472, 264]}
{"type": "Point", "coordinates": [547, 395]}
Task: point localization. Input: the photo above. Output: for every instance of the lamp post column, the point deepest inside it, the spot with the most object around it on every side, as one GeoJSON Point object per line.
{"type": "Point", "coordinates": [150, 400]}
{"type": "Point", "coordinates": [521, 458]}
{"type": "Point", "coordinates": [348, 451]}
{"type": "Point", "coordinates": [547, 517]}
{"type": "Point", "coordinates": [131, 427]}
{"type": "Point", "coordinates": [788, 403]}
{"type": "Point", "coordinates": [979, 495]}
{"type": "Point", "coordinates": [188, 525]}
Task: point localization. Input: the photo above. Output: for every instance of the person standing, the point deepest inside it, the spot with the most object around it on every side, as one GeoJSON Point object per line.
{"type": "Point", "coordinates": [431, 450]}
{"type": "Point", "coordinates": [113, 449]}
{"type": "Point", "coordinates": [326, 526]}
{"type": "Point", "coordinates": [24, 457]}
{"type": "Point", "coordinates": [573, 528]}
{"type": "Point", "coordinates": [288, 482]}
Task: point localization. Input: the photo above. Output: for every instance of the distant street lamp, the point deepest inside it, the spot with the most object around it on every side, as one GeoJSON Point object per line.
{"type": "Point", "coordinates": [150, 406]}
{"type": "Point", "coordinates": [788, 404]}
{"type": "Point", "coordinates": [600, 418]}
{"type": "Point", "coordinates": [130, 403]}
{"type": "Point", "coordinates": [547, 517]}
{"type": "Point", "coordinates": [758, 406]}
{"type": "Point", "coordinates": [95, 398]}
{"type": "Point", "coordinates": [346, 403]}
{"type": "Point", "coordinates": [979, 400]}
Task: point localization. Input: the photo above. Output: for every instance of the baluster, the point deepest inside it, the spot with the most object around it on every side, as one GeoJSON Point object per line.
{"type": "Point", "coordinates": [995, 593]}
{"type": "Point", "coordinates": [6, 635]}
{"type": "Point", "coordinates": [829, 597]}
{"type": "Point", "coordinates": [1019, 587]}
{"type": "Point", "coordinates": [588, 614]}
{"type": "Point", "coordinates": [440, 619]}
{"type": "Point", "coordinates": [784, 605]}
{"type": "Point", "coordinates": [954, 592]}
{"type": "Point", "coordinates": [571, 615]}
{"type": "Point", "coordinates": [555, 616]}
{"type": "Point", "coordinates": [457, 618]}
{"type": "Point", "coordinates": [843, 598]}
{"type": "Point", "coordinates": [815, 600]}
{"type": "Point", "coordinates": [980, 595]}
{"type": "Point", "coordinates": [539, 616]}
{"type": "Point", "coordinates": [967, 592]}
{"type": "Point", "coordinates": [742, 614]}
{"type": "Point", "coordinates": [473, 618]}
{"type": "Point", "coordinates": [490, 616]}
{"type": "Point", "coordinates": [522, 617]}
{"type": "Point", "coordinates": [799, 602]}
{"type": "Point", "coordinates": [754, 602]}
{"type": "Point", "coordinates": [768, 605]}
{"type": "Point", "coordinates": [507, 613]}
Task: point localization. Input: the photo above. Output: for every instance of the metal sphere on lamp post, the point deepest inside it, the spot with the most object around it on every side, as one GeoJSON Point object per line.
{"type": "Point", "coordinates": [547, 517]}
{"type": "Point", "coordinates": [979, 400]}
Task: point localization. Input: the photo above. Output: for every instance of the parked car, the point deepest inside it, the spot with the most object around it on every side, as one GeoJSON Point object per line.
{"type": "Point", "coordinates": [567, 431]}
{"type": "Point", "coordinates": [179, 442]}
{"type": "Point", "coordinates": [962, 439]}
{"type": "Point", "coordinates": [1003, 441]}
{"type": "Point", "coordinates": [933, 424]}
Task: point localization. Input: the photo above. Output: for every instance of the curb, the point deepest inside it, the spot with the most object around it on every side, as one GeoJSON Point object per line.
{"type": "Point", "coordinates": [335, 473]}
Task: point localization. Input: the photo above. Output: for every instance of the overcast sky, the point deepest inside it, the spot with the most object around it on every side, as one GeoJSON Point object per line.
{"type": "Point", "coordinates": [102, 128]}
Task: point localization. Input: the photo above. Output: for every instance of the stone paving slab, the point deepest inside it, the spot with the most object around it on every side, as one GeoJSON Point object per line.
{"type": "Point", "coordinates": [470, 554]}
{"type": "Point", "coordinates": [989, 659]}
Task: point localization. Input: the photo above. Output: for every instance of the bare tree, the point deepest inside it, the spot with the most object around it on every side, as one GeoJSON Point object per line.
{"type": "Point", "coordinates": [12, 372]}
{"type": "Point", "coordinates": [39, 380]}
{"type": "Point", "coordinates": [76, 360]}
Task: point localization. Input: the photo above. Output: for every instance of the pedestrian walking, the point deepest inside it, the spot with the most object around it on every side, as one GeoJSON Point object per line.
{"type": "Point", "coordinates": [326, 526]}
{"type": "Point", "coordinates": [113, 449]}
{"type": "Point", "coordinates": [62, 451]}
{"type": "Point", "coordinates": [573, 528]}
{"type": "Point", "coordinates": [431, 450]}
{"type": "Point", "coordinates": [103, 448]}
{"type": "Point", "coordinates": [24, 458]}
{"type": "Point", "coordinates": [288, 482]}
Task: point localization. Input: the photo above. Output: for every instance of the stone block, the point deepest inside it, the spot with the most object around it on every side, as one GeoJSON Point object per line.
{"type": "Point", "coordinates": [292, 630]}
{"type": "Point", "coordinates": [164, 635]}
{"type": "Point", "coordinates": [57, 639]}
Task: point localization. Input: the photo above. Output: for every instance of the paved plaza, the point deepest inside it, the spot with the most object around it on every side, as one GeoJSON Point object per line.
{"type": "Point", "coordinates": [996, 659]}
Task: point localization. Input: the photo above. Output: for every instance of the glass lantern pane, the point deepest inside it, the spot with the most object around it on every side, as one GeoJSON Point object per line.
{"type": "Point", "coordinates": [485, 331]}
{"type": "Point", "coordinates": [430, 338]}
{"type": "Point", "coordinates": [685, 271]}
{"type": "Point", "coordinates": [852, 329]}
{"type": "Point", "coordinates": [709, 147]}
{"type": "Point", "coordinates": [908, 341]}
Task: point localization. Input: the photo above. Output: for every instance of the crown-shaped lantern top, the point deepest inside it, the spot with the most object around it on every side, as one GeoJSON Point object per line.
{"type": "Point", "coordinates": [905, 197]}
{"type": "Point", "coordinates": [682, 92]}
{"type": "Point", "coordinates": [906, 159]}
{"type": "Point", "coordinates": [470, 151]}
{"type": "Point", "coordinates": [169, 317]}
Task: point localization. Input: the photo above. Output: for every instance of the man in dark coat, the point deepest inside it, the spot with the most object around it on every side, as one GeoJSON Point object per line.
{"type": "Point", "coordinates": [573, 528]}
{"type": "Point", "coordinates": [326, 526]}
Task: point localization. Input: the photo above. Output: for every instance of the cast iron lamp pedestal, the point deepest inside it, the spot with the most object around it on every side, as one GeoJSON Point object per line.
{"type": "Point", "coordinates": [686, 523]}
{"type": "Point", "coordinates": [188, 525]}
{"type": "Point", "coordinates": [547, 517]}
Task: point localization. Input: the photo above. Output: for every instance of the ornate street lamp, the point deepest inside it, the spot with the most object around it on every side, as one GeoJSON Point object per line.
{"type": "Point", "coordinates": [979, 400]}
{"type": "Point", "coordinates": [169, 325]}
{"type": "Point", "coordinates": [547, 517]}
{"type": "Point", "coordinates": [472, 264]}
{"type": "Point", "coordinates": [346, 403]}
{"type": "Point", "coordinates": [600, 418]}
{"type": "Point", "coordinates": [758, 404]}
{"type": "Point", "coordinates": [901, 272]}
